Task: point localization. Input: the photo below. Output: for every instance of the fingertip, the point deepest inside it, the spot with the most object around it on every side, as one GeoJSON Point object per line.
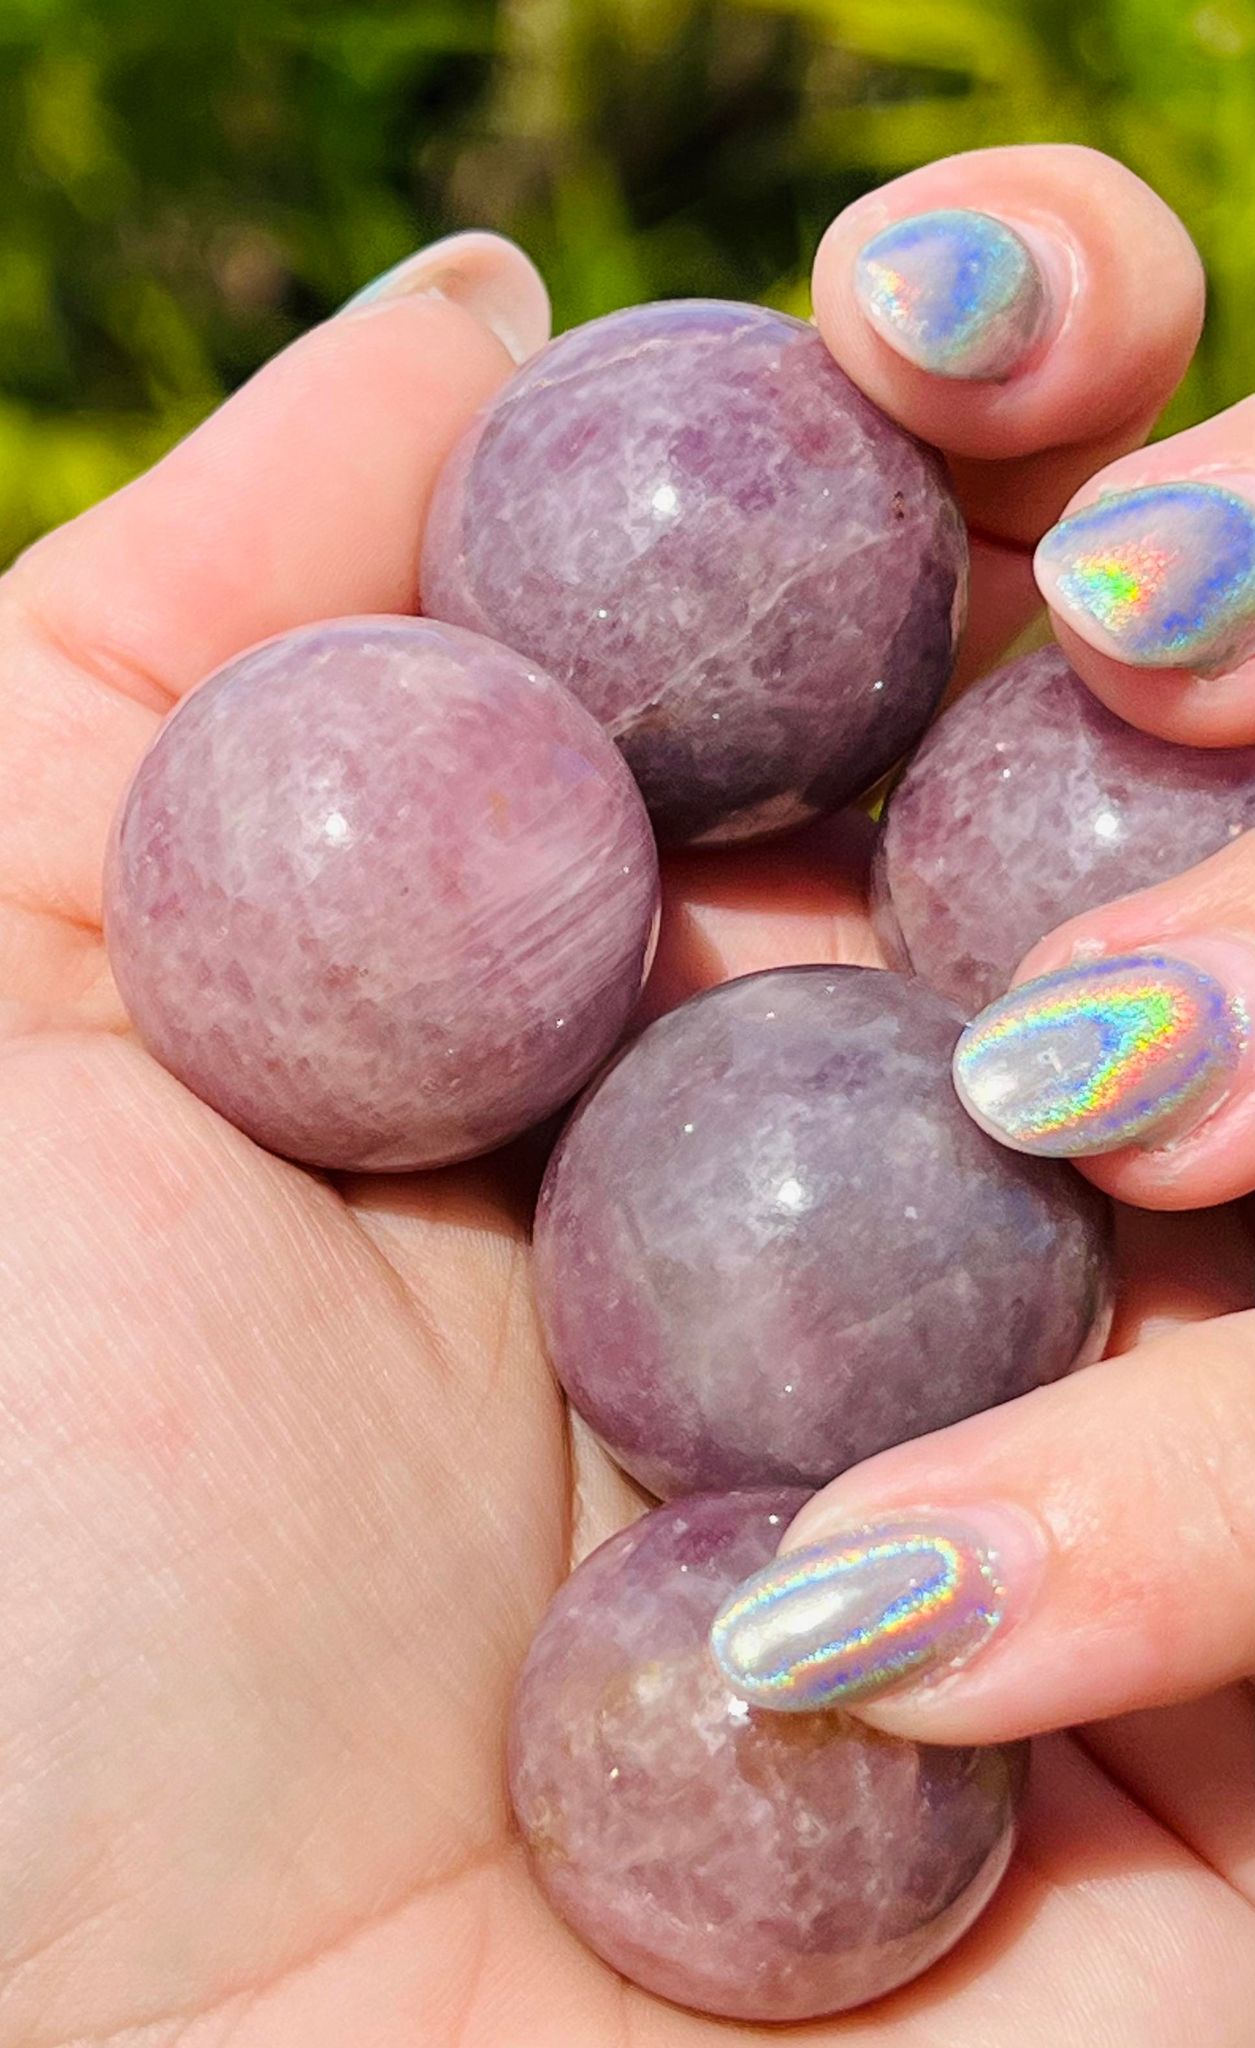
{"type": "Point", "coordinates": [302, 498]}
{"type": "Point", "coordinates": [1170, 704]}
{"type": "Point", "coordinates": [1197, 931]}
{"type": "Point", "coordinates": [873, 1615]}
{"type": "Point", "coordinates": [486, 274]}
{"type": "Point", "coordinates": [1130, 1049]}
{"type": "Point", "coordinates": [1150, 579]}
{"type": "Point", "coordinates": [1120, 280]}
{"type": "Point", "coordinates": [1111, 1510]}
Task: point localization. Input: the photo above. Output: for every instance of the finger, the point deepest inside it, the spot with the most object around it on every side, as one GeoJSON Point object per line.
{"type": "Point", "coordinates": [1029, 311]}
{"type": "Point", "coordinates": [303, 497]}
{"type": "Point", "coordinates": [1119, 289]}
{"type": "Point", "coordinates": [1127, 1043]}
{"type": "Point", "coordinates": [1083, 1551]}
{"type": "Point", "coordinates": [1151, 579]}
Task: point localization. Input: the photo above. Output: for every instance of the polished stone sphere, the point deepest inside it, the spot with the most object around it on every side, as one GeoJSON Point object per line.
{"type": "Point", "coordinates": [689, 515]}
{"type": "Point", "coordinates": [382, 893]}
{"type": "Point", "coordinates": [758, 1865]}
{"type": "Point", "coordinates": [771, 1242]}
{"type": "Point", "coordinates": [1028, 803]}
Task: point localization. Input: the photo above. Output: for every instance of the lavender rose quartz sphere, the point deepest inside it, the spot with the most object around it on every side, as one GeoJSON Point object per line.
{"type": "Point", "coordinates": [381, 893]}
{"type": "Point", "coordinates": [756, 1865]}
{"type": "Point", "coordinates": [1028, 803]}
{"type": "Point", "coordinates": [770, 1242]}
{"type": "Point", "coordinates": [689, 515]}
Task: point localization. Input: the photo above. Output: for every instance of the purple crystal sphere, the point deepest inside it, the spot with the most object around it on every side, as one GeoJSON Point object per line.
{"type": "Point", "coordinates": [381, 893]}
{"type": "Point", "coordinates": [693, 519]}
{"type": "Point", "coordinates": [770, 1241]}
{"type": "Point", "coordinates": [757, 1865]}
{"type": "Point", "coordinates": [1028, 803]}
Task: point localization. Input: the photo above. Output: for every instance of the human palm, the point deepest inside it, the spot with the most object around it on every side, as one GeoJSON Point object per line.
{"type": "Point", "coordinates": [287, 1480]}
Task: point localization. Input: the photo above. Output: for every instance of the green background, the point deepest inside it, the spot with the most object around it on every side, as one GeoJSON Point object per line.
{"type": "Point", "coordinates": [184, 184]}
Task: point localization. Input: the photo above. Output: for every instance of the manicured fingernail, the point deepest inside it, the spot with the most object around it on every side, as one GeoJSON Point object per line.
{"type": "Point", "coordinates": [1134, 1050]}
{"type": "Point", "coordinates": [956, 292]}
{"type": "Point", "coordinates": [872, 1607]}
{"type": "Point", "coordinates": [484, 273]}
{"type": "Point", "coordinates": [1162, 577]}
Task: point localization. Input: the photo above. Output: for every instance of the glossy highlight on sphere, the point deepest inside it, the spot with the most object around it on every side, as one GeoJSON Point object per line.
{"type": "Point", "coordinates": [382, 893]}
{"type": "Point", "coordinates": [1028, 803]}
{"type": "Point", "coordinates": [771, 1241]}
{"type": "Point", "coordinates": [858, 1614]}
{"type": "Point", "coordinates": [689, 515]}
{"type": "Point", "coordinates": [1089, 1059]}
{"type": "Point", "coordinates": [758, 1865]}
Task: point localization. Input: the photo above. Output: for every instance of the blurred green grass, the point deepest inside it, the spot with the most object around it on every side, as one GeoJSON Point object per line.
{"type": "Point", "coordinates": [184, 187]}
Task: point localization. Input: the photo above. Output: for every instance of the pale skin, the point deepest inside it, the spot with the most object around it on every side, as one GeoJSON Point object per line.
{"type": "Point", "coordinates": [287, 1484]}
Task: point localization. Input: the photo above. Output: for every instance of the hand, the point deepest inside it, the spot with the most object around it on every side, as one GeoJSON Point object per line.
{"type": "Point", "coordinates": [287, 1484]}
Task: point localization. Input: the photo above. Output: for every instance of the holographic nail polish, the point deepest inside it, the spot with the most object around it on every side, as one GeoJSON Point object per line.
{"type": "Point", "coordinates": [955, 291]}
{"type": "Point", "coordinates": [488, 276]}
{"type": "Point", "coordinates": [871, 1608]}
{"type": "Point", "coordinates": [1162, 577]}
{"type": "Point", "coordinates": [1134, 1050]}
{"type": "Point", "coordinates": [418, 274]}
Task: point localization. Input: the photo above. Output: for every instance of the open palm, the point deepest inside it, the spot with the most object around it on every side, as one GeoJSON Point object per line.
{"type": "Point", "coordinates": [286, 1482]}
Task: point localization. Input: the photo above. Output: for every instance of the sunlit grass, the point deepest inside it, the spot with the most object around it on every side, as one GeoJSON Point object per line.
{"type": "Point", "coordinates": [183, 188]}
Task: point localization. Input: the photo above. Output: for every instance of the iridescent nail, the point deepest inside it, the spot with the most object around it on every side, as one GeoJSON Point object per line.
{"type": "Point", "coordinates": [955, 291]}
{"type": "Point", "coordinates": [1128, 1051]}
{"type": "Point", "coordinates": [482, 272]}
{"type": "Point", "coordinates": [1162, 577]}
{"type": "Point", "coordinates": [418, 275]}
{"type": "Point", "coordinates": [866, 1610]}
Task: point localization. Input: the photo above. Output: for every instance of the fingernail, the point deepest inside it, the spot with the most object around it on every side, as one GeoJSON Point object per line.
{"type": "Point", "coordinates": [955, 291]}
{"type": "Point", "coordinates": [907, 1599]}
{"type": "Point", "coordinates": [1127, 1051]}
{"type": "Point", "coordinates": [1162, 577]}
{"type": "Point", "coordinates": [484, 273]}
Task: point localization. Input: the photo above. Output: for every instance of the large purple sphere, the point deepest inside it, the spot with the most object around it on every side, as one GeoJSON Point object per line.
{"type": "Point", "coordinates": [770, 1241]}
{"type": "Point", "coordinates": [694, 520]}
{"type": "Point", "coordinates": [758, 1865]}
{"type": "Point", "coordinates": [1028, 803]}
{"type": "Point", "coordinates": [382, 893]}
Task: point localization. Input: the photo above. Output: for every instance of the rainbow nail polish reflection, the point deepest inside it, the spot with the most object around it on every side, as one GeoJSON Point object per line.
{"type": "Point", "coordinates": [1166, 574]}
{"type": "Point", "coordinates": [955, 291]}
{"type": "Point", "coordinates": [1129, 1051]}
{"type": "Point", "coordinates": [849, 1618]}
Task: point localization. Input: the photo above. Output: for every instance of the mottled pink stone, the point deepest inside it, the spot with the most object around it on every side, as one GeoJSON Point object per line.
{"type": "Point", "coordinates": [1028, 803]}
{"type": "Point", "coordinates": [382, 893]}
{"type": "Point", "coordinates": [694, 520]}
{"type": "Point", "coordinates": [758, 1865]}
{"type": "Point", "coordinates": [770, 1241]}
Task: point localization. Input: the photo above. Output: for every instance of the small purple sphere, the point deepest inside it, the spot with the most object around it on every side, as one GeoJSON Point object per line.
{"type": "Point", "coordinates": [770, 1242]}
{"type": "Point", "coordinates": [757, 1865]}
{"type": "Point", "coordinates": [381, 893]}
{"type": "Point", "coordinates": [1028, 803]}
{"type": "Point", "coordinates": [693, 519]}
